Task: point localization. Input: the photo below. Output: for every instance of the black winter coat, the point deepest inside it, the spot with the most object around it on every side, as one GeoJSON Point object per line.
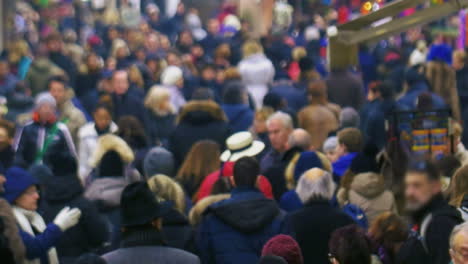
{"type": "Point", "coordinates": [312, 227]}
{"type": "Point", "coordinates": [129, 104]}
{"type": "Point", "coordinates": [159, 128]}
{"type": "Point", "coordinates": [198, 120]}
{"type": "Point", "coordinates": [92, 229]}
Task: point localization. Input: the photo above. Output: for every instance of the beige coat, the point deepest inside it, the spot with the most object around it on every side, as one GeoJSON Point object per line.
{"type": "Point", "coordinates": [11, 231]}
{"type": "Point", "coordinates": [73, 118]}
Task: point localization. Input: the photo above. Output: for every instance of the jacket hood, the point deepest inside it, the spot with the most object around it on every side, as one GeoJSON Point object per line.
{"type": "Point", "coordinates": [63, 188]}
{"type": "Point", "coordinates": [197, 112]}
{"type": "Point", "coordinates": [110, 142]}
{"type": "Point", "coordinates": [199, 208]}
{"type": "Point", "coordinates": [247, 216]}
{"type": "Point", "coordinates": [369, 185]}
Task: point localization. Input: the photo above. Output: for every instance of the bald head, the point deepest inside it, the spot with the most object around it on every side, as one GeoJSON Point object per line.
{"type": "Point", "coordinates": [300, 138]}
{"type": "Point", "coordinates": [315, 184]}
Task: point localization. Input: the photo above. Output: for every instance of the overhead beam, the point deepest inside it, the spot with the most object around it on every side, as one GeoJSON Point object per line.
{"type": "Point", "coordinates": [391, 9]}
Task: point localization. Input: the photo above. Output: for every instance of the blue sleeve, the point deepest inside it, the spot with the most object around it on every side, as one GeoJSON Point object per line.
{"type": "Point", "coordinates": [203, 241]}
{"type": "Point", "coordinates": [39, 245]}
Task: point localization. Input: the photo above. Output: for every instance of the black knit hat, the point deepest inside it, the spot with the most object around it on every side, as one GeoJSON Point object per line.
{"type": "Point", "coordinates": [139, 206]}
{"type": "Point", "coordinates": [365, 161]}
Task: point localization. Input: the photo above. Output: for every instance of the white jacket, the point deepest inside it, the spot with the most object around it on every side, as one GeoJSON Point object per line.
{"type": "Point", "coordinates": [257, 73]}
{"type": "Point", "coordinates": [87, 138]}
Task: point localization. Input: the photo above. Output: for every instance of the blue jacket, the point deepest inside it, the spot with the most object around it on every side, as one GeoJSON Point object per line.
{"type": "Point", "coordinates": [342, 164]}
{"type": "Point", "coordinates": [410, 98]}
{"type": "Point", "coordinates": [235, 230]}
{"type": "Point", "coordinates": [290, 201]}
{"type": "Point", "coordinates": [240, 116]}
{"type": "Point", "coordinates": [296, 97]}
{"type": "Point", "coordinates": [38, 246]}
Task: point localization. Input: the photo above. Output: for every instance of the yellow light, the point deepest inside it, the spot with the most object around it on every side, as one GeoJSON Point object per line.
{"type": "Point", "coordinates": [367, 6]}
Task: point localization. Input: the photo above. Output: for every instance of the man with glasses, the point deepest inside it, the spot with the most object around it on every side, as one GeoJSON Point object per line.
{"type": "Point", "coordinates": [459, 244]}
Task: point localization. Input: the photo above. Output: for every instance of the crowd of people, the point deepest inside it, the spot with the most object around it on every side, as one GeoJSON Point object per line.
{"type": "Point", "coordinates": [148, 136]}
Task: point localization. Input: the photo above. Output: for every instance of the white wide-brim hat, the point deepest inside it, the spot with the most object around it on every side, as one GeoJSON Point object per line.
{"type": "Point", "coordinates": [241, 145]}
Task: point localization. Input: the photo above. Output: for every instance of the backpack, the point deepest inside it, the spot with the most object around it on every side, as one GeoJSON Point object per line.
{"type": "Point", "coordinates": [357, 214]}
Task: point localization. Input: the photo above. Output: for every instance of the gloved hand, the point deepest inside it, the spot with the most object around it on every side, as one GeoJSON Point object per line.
{"type": "Point", "coordinates": [67, 218]}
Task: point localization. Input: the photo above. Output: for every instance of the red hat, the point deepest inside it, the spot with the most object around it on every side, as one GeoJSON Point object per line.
{"type": "Point", "coordinates": [284, 246]}
{"type": "Point", "coordinates": [94, 40]}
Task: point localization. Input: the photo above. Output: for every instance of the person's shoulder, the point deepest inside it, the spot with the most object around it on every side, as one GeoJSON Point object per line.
{"type": "Point", "coordinates": [162, 253]}
{"type": "Point", "coordinates": [87, 130]}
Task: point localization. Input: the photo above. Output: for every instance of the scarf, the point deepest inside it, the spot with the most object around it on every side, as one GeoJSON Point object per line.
{"type": "Point", "coordinates": [27, 220]}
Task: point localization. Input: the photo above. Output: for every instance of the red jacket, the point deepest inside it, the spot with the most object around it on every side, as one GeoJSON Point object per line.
{"type": "Point", "coordinates": [205, 188]}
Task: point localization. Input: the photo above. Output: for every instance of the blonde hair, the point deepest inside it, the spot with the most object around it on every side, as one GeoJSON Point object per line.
{"type": "Point", "coordinates": [458, 186]}
{"type": "Point", "coordinates": [134, 75]}
{"type": "Point", "coordinates": [156, 96]}
{"type": "Point", "coordinates": [167, 189]}
{"type": "Point", "coordinates": [251, 47]}
{"type": "Point", "coordinates": [231, 73]}
{"type": "Point", "coordinates": [298, 53]}
{"type": "Point", "coordinates": [116, 45]}
{"type": "Point", "coordinates": [17, 50]}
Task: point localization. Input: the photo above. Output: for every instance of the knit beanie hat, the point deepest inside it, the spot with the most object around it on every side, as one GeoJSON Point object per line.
{"type": "Point", "coordinates": [159, 161]}
{"type": "Point", "coordinates": [171, 75]}
{"type": "Point", "coordinates": [45, 98]}
{"type": "Point", "coordinates": [284, 246]}
{"type": "Point", "coordinates": [18, 180]}
{"type": "Point", "coordinates": [330, 144]}
{"type": "Point", "coordinates": [308, 160]}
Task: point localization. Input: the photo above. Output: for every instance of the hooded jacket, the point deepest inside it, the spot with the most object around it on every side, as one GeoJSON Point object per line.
{"type": "Point", "coordinates": [368, 192]}
{"type": "Point", "coordinates": [198, 120]}
{"type": "Point", "coordinates": [91, 231]}
{"type": "Point", "coordinates": [235, 230]}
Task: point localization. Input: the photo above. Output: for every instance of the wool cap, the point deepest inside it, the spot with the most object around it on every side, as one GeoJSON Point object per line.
{"type": "Point", "coordinates": [284, 246]}
{"type": "Point", "coordinates": [171, 75]}
{"type": "Point", "coordinates": [18, 180]}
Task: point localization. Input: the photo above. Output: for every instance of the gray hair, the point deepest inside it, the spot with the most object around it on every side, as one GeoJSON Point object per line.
{"type": "Point", "coordinates": [349, 117]}
{"type": "Point", "coordinates": [456, 230]}
{"type": "Point", "coordinates": [310, 187]}
{"type": "Point", "coordinates": [300, 138]}
{"type": "Point", "coordinates": [283, 117]}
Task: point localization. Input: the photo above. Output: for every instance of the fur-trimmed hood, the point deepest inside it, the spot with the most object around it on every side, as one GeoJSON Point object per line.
{"type": "Point", "coordinates": [369, 185]}
{"type": "Point", "coordinates": [110, 142]}
{"type": "Point", "coordinates": [197, 112]}
{"type": "Point", "coordinates": [197, 211]}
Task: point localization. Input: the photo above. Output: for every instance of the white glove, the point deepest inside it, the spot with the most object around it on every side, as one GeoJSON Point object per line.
{"type": "Point", "coordinates": [67, 218]}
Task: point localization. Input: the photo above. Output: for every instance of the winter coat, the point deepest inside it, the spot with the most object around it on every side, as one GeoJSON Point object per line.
{"type": "Point", "coordinates": [464, 208]}
{"type": "Point", "coordinates": [7, 85]}
{"type": "Point", "coordinates": [294, 96]}
{"type": "Point", "coordinates": [91, 231]}
{"type": "Point", "coordinates": [15, 244]}
{"type": "Point", "coordinates": [312, 227]}
{"type": "Point", "coordinates": [72, 117]}
{"type": "Point", "coordinates": [443, 82]}
{"type": "Point", "coordinates": [240, 116]}
{"type": "Point", "coordinates": [39, 73]}
{"type": "Point", "coordinates": [462, 86]}
{"type": "Point", "coordinates": [290, 201]}
{"type": "Point", "coordinates": [159, 128]}
{"type": "Point", "coordinates": [319, 121]}
{"type": "Point", "coordinates": [409, 100]}
{"type": "Point", "coordinates": [235, 230]}
{"type": "Point", "coordinates": [130, 103]}
{"type": "Point", "coordinates": [197, 211]}
{"type": "Point", "coordinates": [177, 231]}
{"type": "Point", "coordinates": [204, 120]}
{"type": "Point", "coordinates": [345, 89]}
{"type": "Point", "coordinates": [86, 83]}
{"type": "Point", "coordinates": [87, 138]}
{"type": "Point", "coordinates": [437, 232]}
{"type": "Point", "coordinates": [148, 247]}
{"type": "Point", "coordinates": [368, 192]}
{"type": "Point", "coordinates": [31, 138]}
{"type": "Point", "coordinates": [65, 63]}
{"type": "Point", "coordinates": [257, 73]}
{"type": "Point", "coordinates": [228, 168]}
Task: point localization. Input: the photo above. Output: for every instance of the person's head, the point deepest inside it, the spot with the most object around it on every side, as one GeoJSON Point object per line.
{"type": "Point", "coordinates": [279, 127]}
{"type": "Point", "coordinates": [102, 116]}
{"type": "Point", "coordinates": [349, 245]}
{"type": "Point", "coordinates": [317, 92]}
{"type": "Point", "coordinates": [349, 118]}
{"type": "Point", "coordinates": [298, 53]}
{"type": "Point", "coordinates": [203, 94]}
{"type": "Point", "coordinates": [152, 42]}
{"type": "Point", "coordinates": [235, 93]}
{"type": "Point", "coordinates": [94, 62]}
{"type": "Point", "coordinates": [167, 189]}
{"type": "Point", "coordinates": [251, 47]}
{"type": "Point", "coordinates": [185, 38]}
{"type": "Point", "coordinates": [283, 246]}
{"type": "Point", "coordinates": [213, 26]}
{"type": "Point", "coordinates": [389, 231]}
{"type": "Point", "coordinates": [4, 68]}
{"type": "Point", "coordinates": [119, 49]}
{"type": "Point", "coordinates": [329, 148]}
{"type": "Point", "coordinates": [57, 87]}
{"type": "Point", "coordinates": [300, 138]}
{"type": "Point", "coordinates": [54, 42]}
{"type": "Point", "coordinates": [140, 210]}
{"type": "Point", "coordinates": [274, 101]}
{"type": "Point", "coordinates": [260, 119]}
{"type": "Point", "coordinates": [132, 131]}
{"type": "Point", "coordinates": [246, 171]}
{"type": "Point", "coordinates": [158, 100]}
{"type": "Point", "coordinates": [172, 76]}
{"type": "Point", "coordinates": [459, 186]}
{"type": "Point", "coordinates": [349, 141]}
{"type": "Point", "coordinates": [120, 82]}
{"type": "Point", "coordinates": [111, 156]}
{"type": "Point", "coordinates": [459, 244]}
{"type": "Point", "coordinates": [7, 133]}
{"type": "Point", "coordinates": [159, 161]}
{"type": "Point", "coordinates": [315, 184]}
{"type": "Point", "coordinates": [173, 58]}
{"type": "Point", "coordinates": [201, 160]}
{"type": "Point", "coordinates": [422, 183]}
{"type": "Point", "coordinates": [45, 106]}
{"type": "Point", "coordinates": [223, 51]}
{"type": "Point", "coordinates": [232, 74]}
{"type": "Point", "coordinates": [208, 72]}
{"type": "Point", "coordinates": [21, 189]}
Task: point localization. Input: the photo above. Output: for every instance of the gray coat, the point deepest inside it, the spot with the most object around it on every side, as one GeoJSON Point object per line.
{"type": "Point", "coordinates": [150, 255]}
